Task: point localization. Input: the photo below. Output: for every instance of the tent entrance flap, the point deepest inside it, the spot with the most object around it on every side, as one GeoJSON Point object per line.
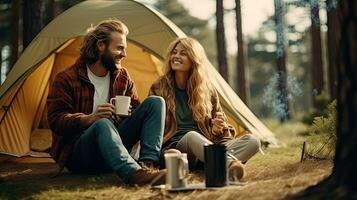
{"type": "Point", "coordinates": [25, 110]}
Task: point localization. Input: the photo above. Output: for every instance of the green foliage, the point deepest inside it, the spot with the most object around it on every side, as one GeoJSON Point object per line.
{"type": "Point", "coordinates": [325, 125]}
{"type": "Point", "coordinates": [323, 100]}
{"type": "Point", "coordinates": [322, 142]}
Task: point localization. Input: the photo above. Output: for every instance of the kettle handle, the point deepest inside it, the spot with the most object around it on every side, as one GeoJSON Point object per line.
{"type": "Point", "coordinates": [183, 168]}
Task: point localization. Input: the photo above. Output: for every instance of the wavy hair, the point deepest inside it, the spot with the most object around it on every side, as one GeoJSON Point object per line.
{"type": "Point", "coordinates": [199, 89]}
{"type": "Point", "coordinates": [100, 33]}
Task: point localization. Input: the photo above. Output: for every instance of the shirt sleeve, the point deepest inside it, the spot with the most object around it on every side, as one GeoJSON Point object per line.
{"type": "Point", "coordinates": [216, 105]}
{"type": "Point", "coordinates": [153, 89]}
{"type": "Point", "coordinates": [61, 116]}
{"type": "Point", "coordinates": [132, 92]}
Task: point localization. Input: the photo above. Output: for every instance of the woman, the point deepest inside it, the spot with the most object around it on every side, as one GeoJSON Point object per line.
{"type": "Point", "coordinates": [194, 116]}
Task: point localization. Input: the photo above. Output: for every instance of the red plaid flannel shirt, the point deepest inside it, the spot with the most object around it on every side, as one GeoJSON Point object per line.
{"type": "Point", "coordinates": [71, 97]}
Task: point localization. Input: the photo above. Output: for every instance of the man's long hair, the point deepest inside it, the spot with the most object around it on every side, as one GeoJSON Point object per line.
{"type": "Point", "coordinates": [198, 87]}
{"type": "Point", "coordinates": [100, 33]}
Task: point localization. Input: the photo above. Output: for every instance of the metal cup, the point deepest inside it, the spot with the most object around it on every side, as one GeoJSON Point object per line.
{"type": "Point", "coordinates": [215, 165]}
{"type": "Point", "coordinates": [176, 170]}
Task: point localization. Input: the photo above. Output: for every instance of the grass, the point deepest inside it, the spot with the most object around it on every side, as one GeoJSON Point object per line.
{"type": "Point", "coordinates": [274, 175]}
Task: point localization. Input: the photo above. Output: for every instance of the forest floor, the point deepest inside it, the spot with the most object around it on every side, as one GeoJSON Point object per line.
{"type": "Point", "coordinates": [275, 175]}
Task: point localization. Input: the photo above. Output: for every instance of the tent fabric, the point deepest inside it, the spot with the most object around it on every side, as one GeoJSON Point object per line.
{"type": "Point", "coordinates": [24, 92]}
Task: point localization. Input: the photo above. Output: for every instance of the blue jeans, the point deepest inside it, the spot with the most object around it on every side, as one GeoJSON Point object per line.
{"type": "Point", "coordinates": [104, 147]}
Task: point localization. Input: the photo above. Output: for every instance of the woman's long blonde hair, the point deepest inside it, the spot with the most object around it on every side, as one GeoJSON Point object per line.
{"type": "Point", "coordinates": [198, 87]}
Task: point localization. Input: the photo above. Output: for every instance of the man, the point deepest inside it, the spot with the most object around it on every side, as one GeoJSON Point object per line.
{"type": "Point", "coordinates": [88, 137]}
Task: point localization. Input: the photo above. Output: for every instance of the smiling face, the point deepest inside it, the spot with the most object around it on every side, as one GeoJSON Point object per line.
{"type": "Point", "coordinates": [114, 52]}
{"type": "Point", "coordinates": [179, 59]}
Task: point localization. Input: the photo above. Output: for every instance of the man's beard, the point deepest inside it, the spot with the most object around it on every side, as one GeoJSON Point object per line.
{"type": "Point", "coordinates": [108, 61]}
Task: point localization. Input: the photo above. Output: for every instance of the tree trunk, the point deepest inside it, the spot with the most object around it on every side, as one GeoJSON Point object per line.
{"type": "Point", "coordinates": [32, 20]}
{"type": "Point", "coordinates": [52, 11]}
{"type": "Point", "coordinates": [15, 32]}
{"type": "Point", "coordinates": [317, 72]}
{"type": "Point", "coordinates": [331, 44]}
{"type": "Point", "coordinates": [221, 41]}
{"type": "Point", "coordinates": [342, 182]}
{"type": "Point", "coordinates": [1, 64]}
{"type": "Point", "coordinates": [243, 86]}
{"type": "Point", "coordinates": [345, 160]}
{"type": "Point", "coordinates": [281, 61]}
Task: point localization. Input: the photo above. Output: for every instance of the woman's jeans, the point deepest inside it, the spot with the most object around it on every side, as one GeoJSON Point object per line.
{"type": "Point", "coordinates": [242, 148]}
{"type": "Point", "coordinates": [104, 147]}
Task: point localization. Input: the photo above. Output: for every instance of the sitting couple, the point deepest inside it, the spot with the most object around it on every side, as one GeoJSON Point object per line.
{"type": "Point", "coordinates": [88, 136]}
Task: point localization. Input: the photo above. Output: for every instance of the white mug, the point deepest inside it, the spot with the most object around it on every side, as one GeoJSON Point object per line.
{"type": "Point", "coordinates": [176, 170]}
{"type": "Point", "coordinates": [122, 104]}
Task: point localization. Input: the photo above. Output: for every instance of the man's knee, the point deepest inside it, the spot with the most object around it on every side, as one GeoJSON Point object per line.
{"type": "Point", "coordinates": [103, 125]}
{"type": "Point", "coordinates": [156, 101]}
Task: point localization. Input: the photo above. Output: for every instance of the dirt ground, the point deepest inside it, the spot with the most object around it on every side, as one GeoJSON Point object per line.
{"type": "Point", "coordinates": [274, 175]}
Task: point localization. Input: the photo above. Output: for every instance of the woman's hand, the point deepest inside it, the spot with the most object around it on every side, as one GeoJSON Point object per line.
{"type": "Point", "coordinates": [219, 124]}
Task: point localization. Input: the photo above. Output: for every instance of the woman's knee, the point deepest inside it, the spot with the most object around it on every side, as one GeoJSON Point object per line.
{"type": "Point", "coordinates": [195, 138]}
{"type": "Point", "coordinates": [253, 143]}
{"type": "Point", "coordinates": [188, 140]}
{"type": "Point", "coordinates": [193, 134]}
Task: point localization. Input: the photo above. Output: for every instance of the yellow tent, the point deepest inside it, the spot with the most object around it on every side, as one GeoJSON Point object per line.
{"type": "Point", "coordinates": [24, 92]}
